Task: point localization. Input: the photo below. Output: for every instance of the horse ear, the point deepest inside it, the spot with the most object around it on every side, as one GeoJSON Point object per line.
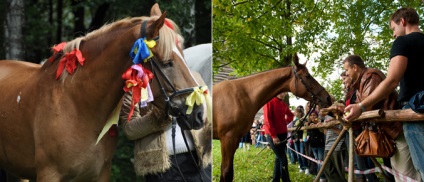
{"type": "Point", "coordinates": [296, 60]}
{"type": "Point", "coordinates": [155, 11]}
{"type": "Point", "coordinates": [153, 29]}
{"type": "Point", "coordinates": [304, 64]}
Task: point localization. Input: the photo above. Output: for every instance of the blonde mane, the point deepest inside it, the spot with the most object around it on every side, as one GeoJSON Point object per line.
{"type": "Point", "coordinates": [167, 38]}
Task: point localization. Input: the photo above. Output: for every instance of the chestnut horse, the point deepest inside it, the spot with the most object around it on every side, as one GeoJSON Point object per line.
{"type": "Point", "coordinates": [49, 127]}
{"type": "Point", "coordinates": [235, 103]}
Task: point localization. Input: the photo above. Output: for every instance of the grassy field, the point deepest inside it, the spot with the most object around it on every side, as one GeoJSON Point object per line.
{"type": "Point", "coordinates": [252, 167]}
{"type": "Point", "coordinates": [249, 166]}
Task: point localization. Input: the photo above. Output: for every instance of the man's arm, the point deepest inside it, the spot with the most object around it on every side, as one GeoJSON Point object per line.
{"type": "Point", "coordinates": [396, 70]}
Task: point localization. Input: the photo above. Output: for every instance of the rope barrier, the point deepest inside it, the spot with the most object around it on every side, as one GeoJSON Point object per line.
{"type": "Point", "coordinates": [368, 171]}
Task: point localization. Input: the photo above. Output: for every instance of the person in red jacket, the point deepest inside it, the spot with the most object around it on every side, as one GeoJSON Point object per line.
{"type": "Point", "coordinates": [276, 117]}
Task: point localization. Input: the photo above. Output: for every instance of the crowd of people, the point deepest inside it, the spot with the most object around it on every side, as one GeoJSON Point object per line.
{"type": "Point", "coordinates": [365, 89]}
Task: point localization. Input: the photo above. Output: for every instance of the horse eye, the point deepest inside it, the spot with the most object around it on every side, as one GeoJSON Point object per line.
{"type": "Point", "coordinates": [307, 76]}
{"type": "Point", "coordinates": [170, 63]}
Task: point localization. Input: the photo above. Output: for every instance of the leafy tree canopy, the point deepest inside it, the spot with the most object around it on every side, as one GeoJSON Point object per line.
{"type": "Point", "coordinates": [253, 36]}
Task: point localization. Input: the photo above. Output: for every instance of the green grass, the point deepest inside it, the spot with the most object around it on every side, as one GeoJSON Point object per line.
{"type": "Point", "coordinates": [252, 167]}
{"type": "Point", "coordinates": [249, 166]}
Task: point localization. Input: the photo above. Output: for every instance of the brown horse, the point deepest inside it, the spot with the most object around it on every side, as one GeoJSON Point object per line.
{"type": "Point", "coordinates": [49, 127]}
{"type": "Point", "coordinates": [235, 103]}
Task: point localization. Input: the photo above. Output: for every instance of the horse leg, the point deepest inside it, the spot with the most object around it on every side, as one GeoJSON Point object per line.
{"type": "Point", "coordinates": [228, 148]}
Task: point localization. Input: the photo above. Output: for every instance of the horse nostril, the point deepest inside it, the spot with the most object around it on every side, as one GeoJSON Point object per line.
{"type": "Point", "coordinates": [199, 116]}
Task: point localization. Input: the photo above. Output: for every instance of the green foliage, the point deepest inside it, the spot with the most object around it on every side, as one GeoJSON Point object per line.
{"type": "Point", "coordinates": [122, 167]}
{"type": "Point", "coordinates": [253, 36]}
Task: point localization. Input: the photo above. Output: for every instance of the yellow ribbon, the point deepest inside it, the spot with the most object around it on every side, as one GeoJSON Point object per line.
{"type": "Point", "coordinates": [150, 44]}
{"type": "Point", "coordinates": [112, 119]}
{"type": "Point", "coordinates": [198, 96]}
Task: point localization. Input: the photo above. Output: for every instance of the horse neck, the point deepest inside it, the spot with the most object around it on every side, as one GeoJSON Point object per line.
{"type": "Point", "coordinates": [99, 80]}
{"type": "Point", "coordinates": [262, 87]}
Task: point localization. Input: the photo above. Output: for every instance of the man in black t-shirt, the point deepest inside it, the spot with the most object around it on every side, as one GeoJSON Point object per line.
{"type": "Point", "coordinates": [406, 67]}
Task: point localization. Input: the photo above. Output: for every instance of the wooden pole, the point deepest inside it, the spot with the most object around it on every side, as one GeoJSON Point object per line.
{"type": "Point", "coordinates": [406, 115]}
{"type": "Point", "coordinates": [327, 158]}
{"type": "Point", "coordinates": [351, 144]}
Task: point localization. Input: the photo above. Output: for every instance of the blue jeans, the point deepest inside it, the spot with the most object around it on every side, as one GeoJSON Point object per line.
{"type": "Point", "coordinates": [281, 169]}
{"type": "Point", "coordinates": [319, 155]}
{"type": "Point", "coordinates": [292, 155]}
{"type": "Point", "coordinates": [259, 139]}
{"type": "Point", "coordinates": [414, 135]}
{"type": "Point", "coordinates": [298, 146]}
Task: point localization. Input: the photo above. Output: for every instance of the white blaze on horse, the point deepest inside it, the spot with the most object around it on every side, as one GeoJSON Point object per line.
{"type": "Point", "coordinates": [235, 103]}
{"type": "Point", "coordinates": [49, 126]}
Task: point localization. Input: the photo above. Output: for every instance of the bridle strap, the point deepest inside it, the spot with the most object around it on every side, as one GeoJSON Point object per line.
{"type": "Point", "coordinates": [143, 31]}
{"type": "Point", "coordinates": [308, 89]}
{"type": "Point", "coordinates": [302, 122]}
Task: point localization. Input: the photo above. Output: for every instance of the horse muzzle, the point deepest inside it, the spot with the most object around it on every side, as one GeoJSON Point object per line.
{"type": "Point", "coordinates": [192, 121]}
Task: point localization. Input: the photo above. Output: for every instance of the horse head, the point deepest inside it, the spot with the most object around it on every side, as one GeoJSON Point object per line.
{"type": "Point", "coordinates": [173, 82]}
{"type": "Point", "coordinates": [305, 86]}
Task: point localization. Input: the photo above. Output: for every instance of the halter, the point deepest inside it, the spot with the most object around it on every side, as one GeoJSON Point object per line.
{"type": "Point", "coordinates": [308, 89]}
{"type": "Point", "coordinates": [170, 108]}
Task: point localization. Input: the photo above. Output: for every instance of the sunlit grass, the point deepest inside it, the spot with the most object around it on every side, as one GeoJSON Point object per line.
{"type": "Point", "coordinates": [249, 166]}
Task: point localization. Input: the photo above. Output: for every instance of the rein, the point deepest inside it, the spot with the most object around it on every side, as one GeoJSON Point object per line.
{"type": "Point", "coordinates": [312, 108]}
{"type": "Point", "coordinates": [302, 122]}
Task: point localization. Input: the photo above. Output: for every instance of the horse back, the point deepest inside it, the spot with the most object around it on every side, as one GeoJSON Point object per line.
{"type": "Point", "coordinates": [16, 133]}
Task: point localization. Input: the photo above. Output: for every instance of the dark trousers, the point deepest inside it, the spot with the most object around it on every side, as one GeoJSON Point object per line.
{"type": "Point", "coordinates": [334, 170]}
{"type": "Point", "coordinates": [188, 168]}
{"type": "Point", "coordinates": [281, 170]}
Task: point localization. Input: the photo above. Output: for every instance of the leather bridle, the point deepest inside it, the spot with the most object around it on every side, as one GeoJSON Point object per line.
{"type": "Point", "coordinates": [170, 108]}
{"type": "Point", "coordinates": [314, 96]}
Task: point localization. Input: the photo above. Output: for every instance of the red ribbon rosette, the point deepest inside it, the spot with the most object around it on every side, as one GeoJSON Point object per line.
{"type": "Point", "coordinates": [135, 82]}
{"type": "Point", "coordinates": [57, 49]}
{"type": "Point", "coordinates": [69, 61]}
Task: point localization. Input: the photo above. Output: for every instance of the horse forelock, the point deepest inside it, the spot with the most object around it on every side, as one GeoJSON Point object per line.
{"type": "Point", "coordinates": [168, 39]}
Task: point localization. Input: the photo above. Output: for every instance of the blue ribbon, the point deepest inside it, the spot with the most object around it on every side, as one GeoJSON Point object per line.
{"type": "Point", "coordinates": [139, 51]}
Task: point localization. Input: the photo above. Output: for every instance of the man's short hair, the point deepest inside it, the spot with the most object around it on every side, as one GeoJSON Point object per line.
{"type": "Point", "coordinates": [355, 59]}
{"type": "Point", "coordinates": [408, 14]}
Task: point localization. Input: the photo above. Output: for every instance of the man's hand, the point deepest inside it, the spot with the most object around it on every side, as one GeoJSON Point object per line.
{"type": "Point", "coordinates": [276, 141]}
{"type": "Point", "coordinates": [352, 111]}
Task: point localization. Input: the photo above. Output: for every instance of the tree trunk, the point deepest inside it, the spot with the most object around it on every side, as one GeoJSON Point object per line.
{"type": "Point", "coordinates": [78, 11]}
{"type": "Point", "coordinates": [203, 22]}
{"type": "Point", "coordinates": [59, 21]}
{"type": "Point", "coordinates": [49, 34]}
{"type": "Point", "coordinates": [98, 19]}
{"type": "Point", "coordinates": [188, 27]}
{"type": "Point", "coordinates": [13, 25]}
